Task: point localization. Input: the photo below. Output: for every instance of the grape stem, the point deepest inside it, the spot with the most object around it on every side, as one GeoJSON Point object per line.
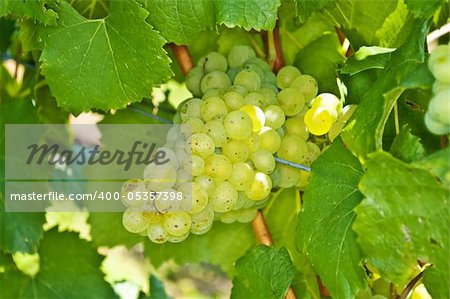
{"type": "Point", "coordinates": [292, 164]}
{"type": "Point", "coordinates": [183, 58]}
{"type": "Point", "coordinates": [347, 48]}
{"type": "Point", "coordinates": [272, 45]}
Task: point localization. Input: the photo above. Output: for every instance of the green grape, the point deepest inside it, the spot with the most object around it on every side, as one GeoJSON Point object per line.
{"type": "Point", "coordinates": [263, 161]}
{"type": "Point", "coordinates": [275, 117]}
{"type": "Point", "coordinates": [173, 135]}
{"type": "Point", "coordinates": [248, 79]}
{"type": "Point", "coordinates": [201, 144]}
{"type": "Point", "coordinates": [229, 217]}
{"type": "Point", "coordinates": [177, 118]}
{"type": "Point", "coordinates": [177, 239]}
{"type": "Point", "coordinates": [312, 153]}
{"type": "Point", "coordinates": [236, 151]}
{"type": "Point", "coordinates": [271, 86]}
{"type": "Point", "coordinates": [307, 85]}
{"type": "Point", "coordinates": [260, 188]}
{"type": "Point", "coordinates": [239, 89]}
{"type": "Point", "coordinates": [439, 107]}
{"type": "Point", "coordinates": [434, 126]}
{"type": "Point", "coordinates": [213, 92]}
{"type": "Point", "coordinates": [207, 183]}
{"type": "Point", "coordinates": [293, 148]}
{"type": "Point", "coordinates": [318, 120]}
{"type": "Point", "coordinates": [157, 233]}
{"type": "Point", "coordinates": [339, 125]}
{"type": "Point", "coordinates": [291, 101]}
{"type": "Point", "coordinates": [270, 77]}
{"type": "Point", "coordinates": [275, 176]}
{"type": "Point", "coordinates": [216, 130]}
{"type": "Point", "coordinates": [347, 112]}
{"type": "Point", "coordinates": [239, 55]}
{"type": "Point", "coordinates": [224, 198]}
{"type": "Point", "coordinates": [241, 176]}
{"type": "Point", "coordinates": [183, 176]}
{"type": "Point", "coordinates": [296, 126]}
{"type": "Point", "coordinates": [243, 201]}
{"type": "Point", "coordinates": [439, 86]}
{"type": "Point", "coordinates": [439, 63]}
{"type": "Point", "coordinates": [170, 155]}
{"type": "Point", "coordinates": [215, 79]}
{"type": "Point", "coordinates": [288, 176]}
{"type": "Point", "coordinates": [135, 187]}
{"type": "Point", "coordinates": [238, 125]}
{"type": "Point", "coordinates": [153, 217]}
{"type": "Point", "coordinates": [253, 67]}
{"type": "Point", "coordinates": [218, 167]}
{"type": "Point", "coordinates": [269, 140]}
{"type": "Point", "coordinates": [382, 287]}
{"type": "Point", "coordinates": [215, 62]}
{"type": "Point", "coordinates": [255, 98]}
{"type": "Point", "coordinates": [203, 221]}
{"type": "Point", "coordinates": [191, 126]}
{"type": "Point", "coordinates": [270, 97]}
{"type": "Point", "coordinates": [193, 80]}
{"type": "Point", "coordinates": [328, 102]}
{"type": "Point", "coordinates": [133, 220]}
{"type": "Point", "coordinates": [234, 100]}
{"type": "Point", "coordinates": [304, 178]}
{"type": "Point", "coordinates": [261, 63]}
{"type": "Point", "coordinates": [213, 107]}
{"type": "Point", "coordinates": [191, 108]}
{"type": "Point", "coordinates": [256, 115]}
{"type": "Point", "coordinates": [252, 142]}
{"type": "Point", "coordinates": [195, 198]}
{"type": "Point", "coordinates": [286, 75]}
{"type": "Point", "coordinates": [194, 164]}
{"type": "Point", "coordinates": [281, 132]}
{"type": "Point", "coordinates": [246, 215]}
{"type": "Point", "coordinates": [159, 177]}
{"type": "Point", "coordinates": [232, 72]}
{"type": "Point", "coordinates": [164, 205]}
{"type": "Point", "coordinates": [177, 223]}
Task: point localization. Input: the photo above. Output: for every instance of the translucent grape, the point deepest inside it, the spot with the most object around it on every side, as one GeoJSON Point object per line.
{"type": "Point", "coordinates": [439, 107]}
{"type": "Point", "coordinates": [234, 100]}
{"type": "Point", "coordinates": [215, 79]}
{"type": "Point", "coordinates": [193, 80]}
{"type": "Point", "coordinates": [318, 120]}
{"type": "Point", "coordinates": [271, 86]}
{"type": "Point", "coordinates": [177, 223]}
{"type": "Point", "coordinates": [329, 102]}
{"type": "Point", "coordinates": [213, 92]}
{"type": "Point", "coordinates": [260, 188]}
{"type": "Point", "coordinates": [215, 62]}
{"type": "Point", "coordinates": [191, 108]}
{"type": "Point", "coordinates": [238, 125]}
{"type": "Point", "coordinates": [304, 178]}
{"type": "Point", "coordinates": [274, 116]}
{"type": "Point", "coordinates": [239, 55]}
{"type": "Point", "coordinates": [252, 142]}
{"type": "Point", "coordinates": [439, 63]}
{"type": "Point", "coordinates": [218, 167]}
{"type": "Point", "coordinates": [307, 85]}
{"type": "Point", "coordinates": [195, 198]}
{"type": "Point", "coordinates": [183, 176]}
{"type": "Point", "coordinates": [242, 176]}
{"type": "Point", "coordinates": [201, 144]}
{"type": "Point", "coordinates": [269, 140]}
{"type": "Point", "coordinates": [177, 239]}
{"type": "Point", "coordinates": [152, 217]}
{"type": "Point", "coordinates": [263, 161]}
{"type": "Point", "coordinates": [248, 79]}
{"type": "Point", "coordinates": [255, 98]}
{"type": "Point", "coordinates": [134, 221]}
{"type": "Point", "coordinates": [291, 101]}
{"type": "Point", "coordinates": [246, 215]}
{"type": "Point", "coordinates": [243, 201]}
{"type": "Point", "coordinates": [288, 176]}
{"type": "Point", "coordinates": [194, 164]}
{"type": "Point", "coordinates": [202, 222]}
{"type": "Point", "coordinates": [436, 127]}
{"type": "Point", "coordinates": [439, 86]}
{"type": "Point", "coordinates": [191, 126]}
{"type": "Point", "coordinates": [236, 151]}
{"type": "Point", "coordinates": [224, 198]}
{"type": "Point", "coordinates": [164, 205]}
{"type": "Point", "coordinates": [160, 177]}
{"type": "Point", "coordinates": [132, 186]}
{"type": "Point", "coordinates": [293, 148]}
{"type": "Point", "coordinates": [312, 153]}
{"type": "Point", "coordinates": [213, 107]}
{"type": "Point", "coordinates": [157, 233]}
{"type": "Point", "coordinates": [270, 97]}
{"type": "Point", "coordinates": [262, 64]}
{"type": "Point", "coordinates": [253, 67]}
{"type": "Point", "coordinates": [207, 183]}
{"type": "Point", "coordinates": [239, 89]}
{"type": "Point", "coordinates": [286, 75]}
{"type": "Point", "coordinates": [256, 115]}
{"type": "Point", "coordinates": [296, 126]}
{"type": "Point", "coordinates": [270, 77]}
{"type": "Point", "coordinates": [216, 131]}
{"type": "Point", "coordinates": [232, 72]}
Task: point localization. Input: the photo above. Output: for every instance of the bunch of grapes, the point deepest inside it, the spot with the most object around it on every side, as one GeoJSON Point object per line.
{"type": "Point", "coordinates": [437, 117]}
{"type": "Point", "coordinates": [243, 119]}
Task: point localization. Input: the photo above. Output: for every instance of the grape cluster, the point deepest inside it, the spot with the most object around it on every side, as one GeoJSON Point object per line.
{"type": "Point", "coordinates": [243, 116]}
{"type": "Point", "coordinates": [437, 117]}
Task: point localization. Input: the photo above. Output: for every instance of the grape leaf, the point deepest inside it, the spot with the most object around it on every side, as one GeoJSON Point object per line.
{"type": "Point", "coordinates": [7, 28]}
{"type": "Point", "coordinates": [222, 246]}
{"type": "Point", "coordinates": [66, 263]}
{"type": "Point", "coordinates": [248, 14]}
{"type": "Point", "coordinates": [437, 164]}
{"type": "Point", "coordinates": [364, 131]}
{"type": "Point", "coordinates": [180, 21]}
{"type": "Point", "coordinates": [404, 218]}
{"type": "Point", "coordinates": [263, 272]}
{"type": "Point", "coordinates": [305, 8]}
{"type": "Point", "coordinates": [366, 58]}
{"type": "Point", "coordinates": [406, 146]}
{"type": "Point", "coordinates": [104, 63]}
{"type": "Point", "coordinates": [324, 226]}
{"type": "Point", "coordinates": [157, 290]}
{"type": "Point", "coordinates": [424, 9]}
{"type": "Point", "coordinates": [107, 230]}
{"type": "Point", "coordinates": [39, 10]}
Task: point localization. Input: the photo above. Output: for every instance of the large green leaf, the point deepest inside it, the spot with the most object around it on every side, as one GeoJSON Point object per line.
{"type": "Point", "coordinates": [104, 63]}
{"type": "Point", "coordinates": [406, 146]}
{"type": "Point", "coordinates": [263, 272]}
{"type": "Point", "coordinates": [364, 131]}
{"type": "Point", "coordinates": [425, 9]}
{"type": "Point", "coordinates": [437, 164]}
{"type": "Point", "coordinates": [404, 218]}
{"type": "Point", "coordinates": [180, 21]}
{"type": "Point", "coordinates": [306, 7]}
{"type": "Point", "coordinates": [38, 10]}
{"type": "Point", "coordinates": [69, 268]}
{"type": "Point", "coordinates": [222, 246]}
{"type": "Point", "coordinates": [324, 229]}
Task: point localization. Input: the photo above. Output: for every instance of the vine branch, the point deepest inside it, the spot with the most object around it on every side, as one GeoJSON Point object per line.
{"type": "Point", "coordinates": [183, 58]}
{"type": "Point", "coordinates": [410, 286]}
